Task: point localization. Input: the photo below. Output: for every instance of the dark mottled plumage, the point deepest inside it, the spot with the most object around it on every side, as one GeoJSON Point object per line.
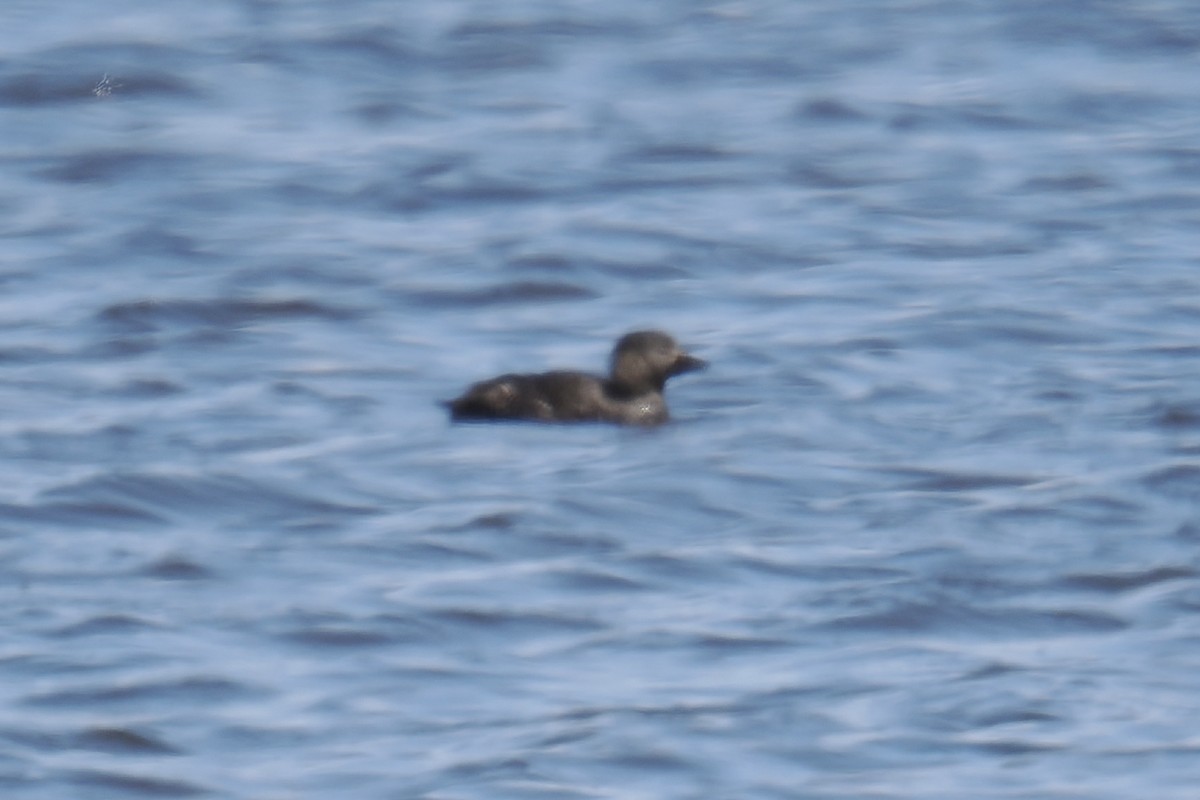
{"type": "Point", "coordinates": [632, 394]}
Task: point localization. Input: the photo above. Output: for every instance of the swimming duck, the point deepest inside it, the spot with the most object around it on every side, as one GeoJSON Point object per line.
{"type": "Point", "coordinates": [632, 394]}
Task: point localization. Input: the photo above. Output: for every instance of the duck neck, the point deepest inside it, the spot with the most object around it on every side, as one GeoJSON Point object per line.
{"type": "Point", "coordinates": [625, 388]}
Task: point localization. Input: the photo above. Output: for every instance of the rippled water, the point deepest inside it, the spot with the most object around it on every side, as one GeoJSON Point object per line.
{"type": "Point", "coordinates": [926, 529]}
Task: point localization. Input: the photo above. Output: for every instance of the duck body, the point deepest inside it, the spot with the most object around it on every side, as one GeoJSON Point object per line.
{"type": "Point", "coordinates": [632, 394]}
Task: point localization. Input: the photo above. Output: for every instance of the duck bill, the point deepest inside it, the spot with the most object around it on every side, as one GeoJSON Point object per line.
{"type": "Point", "coordinates": [685, 363]}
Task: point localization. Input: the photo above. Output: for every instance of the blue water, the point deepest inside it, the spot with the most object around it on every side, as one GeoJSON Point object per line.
{"type": "Point", "coordinates": [928, 527]}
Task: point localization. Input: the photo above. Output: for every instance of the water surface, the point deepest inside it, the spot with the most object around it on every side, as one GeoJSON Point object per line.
{"type": "Point", "coordinates": [926, 529]}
